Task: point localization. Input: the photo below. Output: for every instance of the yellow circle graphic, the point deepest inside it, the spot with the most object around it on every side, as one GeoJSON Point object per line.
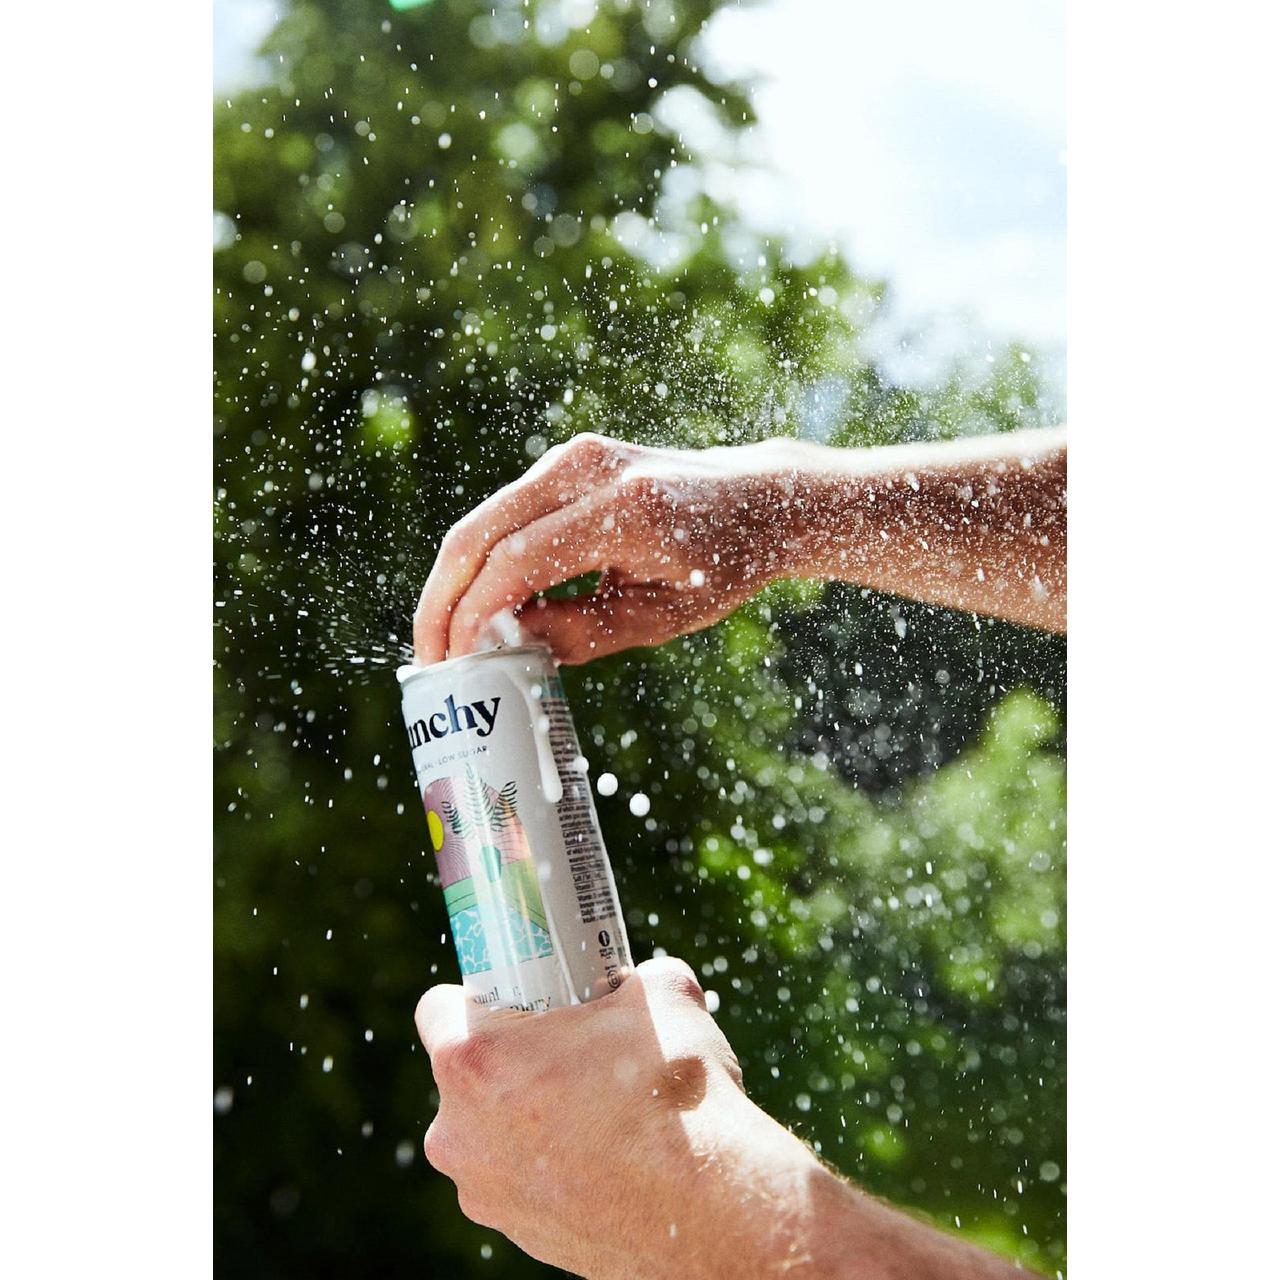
{"type": "Point", "coordinates": [436, 828]}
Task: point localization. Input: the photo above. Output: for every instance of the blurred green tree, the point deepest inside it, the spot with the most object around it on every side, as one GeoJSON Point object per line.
{"type": "Point", "coordinates": [445, 238]}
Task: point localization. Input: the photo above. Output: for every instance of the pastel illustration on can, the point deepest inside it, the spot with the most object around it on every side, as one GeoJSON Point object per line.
{"type": "Point", "coordinates": [487, 870]}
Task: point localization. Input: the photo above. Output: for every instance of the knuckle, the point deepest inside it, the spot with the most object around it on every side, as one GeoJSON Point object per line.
{"type": "Point", "coordinates": [590, 445]}
{"type": "Point", "coordinates": [439, 1148]}
{"type": "Point", "coordinates": [542, 467]}
{"type": "Point", "coordinates": [686, 987]}
{"type": "Point", "coordinates": [568, 455]}
{"type": "Point", "coordinates": [630, 494]}
{"type": "Point", "coordinates": [673, 977]}
{"type": "Point", "coordinates": [633, 483]}
{"type": "Point", "coordinates": [474, 528]}
{"type": "Point", "coordinates": [506, 558]}
{"type": "Point", "coordinates": [466, 1063]}
{"type": "Point", "coordinates": [638, 491]}
{"type": "Point", "coordinates": [456, 534]}
{"type": "Point", "coordinates": [591, 449]}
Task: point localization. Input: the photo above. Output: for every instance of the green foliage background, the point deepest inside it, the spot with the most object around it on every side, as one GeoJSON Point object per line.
{"type": "Point", "coordinates": [445, 240]}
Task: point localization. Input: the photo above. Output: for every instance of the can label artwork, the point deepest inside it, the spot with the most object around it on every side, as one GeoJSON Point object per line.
{"type": "Point", "coordinates": [530, 893]}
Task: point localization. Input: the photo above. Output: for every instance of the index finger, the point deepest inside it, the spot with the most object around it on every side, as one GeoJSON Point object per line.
{"type": "Point", "coordinates": [576, 539]}
{"type": "Point", "coordinates": [559, 477]}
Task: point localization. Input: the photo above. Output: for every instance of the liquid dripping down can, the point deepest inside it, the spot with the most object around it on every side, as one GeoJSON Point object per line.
{"type": "Point", "coordinates": [532, 903]}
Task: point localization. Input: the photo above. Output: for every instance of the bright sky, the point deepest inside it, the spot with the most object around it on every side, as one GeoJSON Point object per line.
{"type": "Point", "coordinates": [926, 137]}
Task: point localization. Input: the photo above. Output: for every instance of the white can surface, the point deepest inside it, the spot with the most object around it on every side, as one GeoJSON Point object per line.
{"type": "Point", "coordinates": [531, 898]}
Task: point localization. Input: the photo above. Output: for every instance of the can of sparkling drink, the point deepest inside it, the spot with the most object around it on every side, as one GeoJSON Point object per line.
{"type": "Point", "coordinates": [532, 903]}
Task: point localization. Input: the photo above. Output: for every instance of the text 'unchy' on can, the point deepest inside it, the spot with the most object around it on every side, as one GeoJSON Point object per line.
{"type": "Point", "coordinates": [530, 893]}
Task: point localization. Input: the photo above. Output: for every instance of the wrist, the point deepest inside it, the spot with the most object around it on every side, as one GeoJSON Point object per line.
{"type": "Point", "coordinates": [753, 1200]}
{"type": "Point", "coordinates": [818, 500]}
{"type": "Point", "coordinates": [743, 1196]}
{"type": "Point", "coordinates": [778, 490]}
{"type": "Point", "coordinates": [843, 507]}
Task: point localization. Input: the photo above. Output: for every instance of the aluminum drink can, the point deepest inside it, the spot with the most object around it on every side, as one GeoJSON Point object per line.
{"type": "Point", "coordinates": [532, 903]}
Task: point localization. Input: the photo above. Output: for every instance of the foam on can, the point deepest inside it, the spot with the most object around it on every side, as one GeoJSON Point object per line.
{"type": "Point", "coordinates": [532, 903]}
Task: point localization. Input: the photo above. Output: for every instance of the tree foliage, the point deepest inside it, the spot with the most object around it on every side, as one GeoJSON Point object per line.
{"type": "Point", "coordinates": [444, 240]}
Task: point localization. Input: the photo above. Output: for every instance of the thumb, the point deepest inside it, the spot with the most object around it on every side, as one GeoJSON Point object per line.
{"type": "Point", "coordinates": [588, 627]}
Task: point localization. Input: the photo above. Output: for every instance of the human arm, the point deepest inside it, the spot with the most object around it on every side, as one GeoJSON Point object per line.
{"type": "Point", "coordinates": [978, 523]}
{"type": "Point", "coordinates": [684, 536]}
{"type": "Point", "coordinates": [613, 1139]}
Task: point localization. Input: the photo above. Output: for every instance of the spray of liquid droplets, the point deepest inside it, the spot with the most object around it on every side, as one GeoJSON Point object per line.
{"type": "Point", "coordinates": [437, 258]}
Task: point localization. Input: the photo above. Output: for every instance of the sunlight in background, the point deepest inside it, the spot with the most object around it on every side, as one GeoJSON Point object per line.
{"type": "Point", "coordinates": [941, 163]}
{"type": "Point", "coordinates": [937, 161]}
{"type": "Point", "coordinates": [846, 805]}
{"type": "Point", "coordinates": [238, 26]}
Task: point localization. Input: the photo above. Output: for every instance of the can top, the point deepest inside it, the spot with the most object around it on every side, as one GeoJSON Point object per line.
{"type": "Point", "coordinates": [411, 670]}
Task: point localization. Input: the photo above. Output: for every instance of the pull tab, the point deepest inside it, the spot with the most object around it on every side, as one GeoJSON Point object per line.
{"type": "Point", "coordinates": [548, 770]}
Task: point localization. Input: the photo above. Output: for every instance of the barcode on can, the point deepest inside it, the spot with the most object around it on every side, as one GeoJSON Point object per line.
{"type": "Point", "coordinates": [582, 843]}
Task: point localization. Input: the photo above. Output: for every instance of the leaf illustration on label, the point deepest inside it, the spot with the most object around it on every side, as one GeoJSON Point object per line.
{"type": "Point", "coordinates": [505, 804]}
{"type": "Point", "coordinates": [459, 825]}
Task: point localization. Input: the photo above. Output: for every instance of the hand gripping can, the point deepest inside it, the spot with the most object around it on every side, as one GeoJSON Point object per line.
{"type": "Point", "coordinates": [532, 903]}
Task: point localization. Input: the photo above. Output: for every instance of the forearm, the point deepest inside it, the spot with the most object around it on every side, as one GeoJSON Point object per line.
{"type": "Point", "coordinates": [976, 524]}
{"type": "Point", "coordinates": [763, 1205]}
{"type": "Point", "coordinates": [652, 1164]}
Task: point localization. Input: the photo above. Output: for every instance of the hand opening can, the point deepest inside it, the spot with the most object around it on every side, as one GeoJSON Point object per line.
{"type": "Point", "coordinates": [530, 893]}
